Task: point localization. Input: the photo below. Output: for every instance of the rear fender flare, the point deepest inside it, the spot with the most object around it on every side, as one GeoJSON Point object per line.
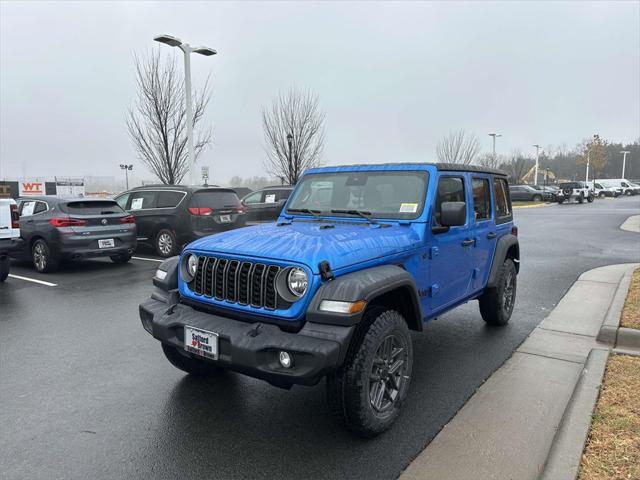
{"type": "Point", "coordinates": [505, 245]}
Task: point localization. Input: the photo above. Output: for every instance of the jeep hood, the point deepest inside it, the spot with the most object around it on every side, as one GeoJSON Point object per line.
{"type": "Point", "coordinates": [310, 242]}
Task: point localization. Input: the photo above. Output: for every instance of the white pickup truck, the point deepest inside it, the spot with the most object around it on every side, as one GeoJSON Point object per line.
{"type": "Point", "coordinates": [9, 234]}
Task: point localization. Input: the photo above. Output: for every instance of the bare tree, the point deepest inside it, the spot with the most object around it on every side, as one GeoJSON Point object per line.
{"type": "Point", "coordinates": [297, 115]}
{"type": "Point", "coordinates": [489, 160]}
{"type": "Point", "coordinates": [517, 166]}
{"type": "Point", "coordinates": [157, 122]}
{"type": "Point", "coordinates": [458, 147]}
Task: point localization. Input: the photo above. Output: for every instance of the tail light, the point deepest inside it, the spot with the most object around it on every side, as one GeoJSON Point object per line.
{"type": "Point", "coordinates": [200, 211]}
{"type": "Point", "coordinates": [128, 219]}
{"type": "Point", "coordinates": [67, 222]}
{"type": "Point", "coordinates": [514, 231]}
{"type": "Point", "coordinates": [15, 216]}
{"type": "Point", "coordinates": [240, 210]}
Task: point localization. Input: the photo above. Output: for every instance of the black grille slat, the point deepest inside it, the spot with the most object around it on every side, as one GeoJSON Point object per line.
{"type": "Point", "coordinates": [243, 283]}
{"type": "Point", "coordinates": [231, 280]}
{"type": "Point", "coordinates": [219, 278]}
{"type": "Point", "coordinates": [235, 281]}
{"type": "Point", "coordinates": [199, 275]}
{"type": "Point", "coordinates": [270, 293]}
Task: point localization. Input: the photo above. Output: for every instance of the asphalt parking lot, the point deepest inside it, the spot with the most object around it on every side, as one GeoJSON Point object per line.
{"type": "Point", "coordinates": [85, 392]}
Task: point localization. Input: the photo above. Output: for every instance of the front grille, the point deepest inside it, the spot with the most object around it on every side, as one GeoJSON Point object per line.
{"type": "Point", "coordinates": [246, 283]}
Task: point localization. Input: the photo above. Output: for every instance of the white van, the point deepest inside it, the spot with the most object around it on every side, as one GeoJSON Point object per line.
{"type": "Point", "coordinates": [622, 185]}
{"type": "Point", "coordinates": [9, 234]}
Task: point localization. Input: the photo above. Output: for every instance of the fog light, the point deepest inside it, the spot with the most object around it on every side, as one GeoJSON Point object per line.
{"type": "Point", "coordinates": [285, 359]}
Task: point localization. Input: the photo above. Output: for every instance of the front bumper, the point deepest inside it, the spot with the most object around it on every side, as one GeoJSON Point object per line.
{"type": "Point", "coordinates": [10, 246]}
{"type": "Point", "coordinates": [251, 348]}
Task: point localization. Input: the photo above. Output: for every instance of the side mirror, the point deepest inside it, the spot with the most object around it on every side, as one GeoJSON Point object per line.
{"type": "Point", "coordinates": [453, 214]}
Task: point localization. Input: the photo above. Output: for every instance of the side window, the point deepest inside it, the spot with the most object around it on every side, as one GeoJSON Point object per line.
{"type": "Point", "coordinates": [502, 199]}
{"type": "Point", "coordinates": [255, 197]}
{"type": "Point", "coordinates": [143, 200]}
{"type": "Point", "coordinates": [169, 199]}
{"type": "Point", "coordinates": [40, 207]}
{"type": "Point", "coordinates": [122, 200]}
{"type": "Point", "coordinates": [481, 198]}
{"type": "Point", "coordinates": [450, 189]}
{"type": "Point", "coordinates": [27, 207]}
{"type": "Point", "coordinates": [282, 194]}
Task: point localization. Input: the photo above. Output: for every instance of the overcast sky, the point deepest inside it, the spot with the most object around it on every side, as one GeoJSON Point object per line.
{"type": "Point", "coordinates": [392, 77]}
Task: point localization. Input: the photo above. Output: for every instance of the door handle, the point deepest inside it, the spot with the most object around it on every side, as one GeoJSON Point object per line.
{"type": "Point", "coordinates": [467, 242]}
{"type": "Point", "coordinates": [491, 235]}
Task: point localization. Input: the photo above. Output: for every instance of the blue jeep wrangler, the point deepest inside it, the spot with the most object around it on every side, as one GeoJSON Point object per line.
{"type": "Point", "coordinates": [359, 256]}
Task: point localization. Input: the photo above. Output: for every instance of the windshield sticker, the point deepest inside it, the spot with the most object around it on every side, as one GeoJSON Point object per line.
{"type": "Point", "coordinates": [408, 207]}
{"type": "Point", "coordinates": [136, 203]}
{"type": "Point", "coordinates": [270, 198]}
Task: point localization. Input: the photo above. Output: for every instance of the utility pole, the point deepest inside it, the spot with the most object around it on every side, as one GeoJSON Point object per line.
{"type": "Point", "coordinates": [535, 180]}
{"type": "Point", "coordinates": [587, 177]}
{"type": "Point", "coordinates": [187, 50]}
{"type": "Point", "coordinates": [624, 160]}
{"type": "Point", "coordinates": [494, 135]}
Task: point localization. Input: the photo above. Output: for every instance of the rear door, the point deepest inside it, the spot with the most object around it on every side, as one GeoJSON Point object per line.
{"type": "Point", "coordinates": [484, 232]}
{"type": "Point", "coordinates": [274, 200]}
{"type": "Point", "coordinates": [252, 204]}
{"type": "Point", "coordinates": [451, 261]}
{"type": "Point", "coordinates": [141, 204]}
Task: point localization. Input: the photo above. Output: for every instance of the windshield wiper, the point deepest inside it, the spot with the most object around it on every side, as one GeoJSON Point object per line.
{"type": "Point", "coordinates": [315, 213]}
{"type": "Point", "coordinates": [361, 213]}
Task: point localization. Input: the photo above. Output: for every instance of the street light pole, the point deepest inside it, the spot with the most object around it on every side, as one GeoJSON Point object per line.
{"type": "Point", "coordinates": [535, 180]}
{"type": "Point", "coordinates": [588, 161]}
{"type": "Point", "coordinates": [290, 141]}
{"type": "Point", "coordinates": [187, 50]}
{"type": "Point", "coordinates": [494, 135]}
{"type": "Point", "coordinates": [624, 160]}
{"type": "Point", "coordinates": [126, 169]}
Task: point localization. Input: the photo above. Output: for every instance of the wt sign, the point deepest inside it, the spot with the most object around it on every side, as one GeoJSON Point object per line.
{"type": "Point", "coordinates": [31, 188]}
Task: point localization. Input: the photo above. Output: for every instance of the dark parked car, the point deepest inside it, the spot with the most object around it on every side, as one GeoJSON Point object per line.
{"type": "Point", "coordinates": [241, 191]}
{"type": "Point", "coordinates": [169, 216]}
{"type": "Point", "coordinates": [266, 204]}
{"type": "Point", "coordinates": [528, 193]}
{"type": "Point", "coordinates": [56, 229]}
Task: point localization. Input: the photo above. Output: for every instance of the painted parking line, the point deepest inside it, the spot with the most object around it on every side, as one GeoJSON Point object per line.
{"type": "Point", "coordinates": [148, 259]}
{"type": "Point", "coordinates": [27, 279]}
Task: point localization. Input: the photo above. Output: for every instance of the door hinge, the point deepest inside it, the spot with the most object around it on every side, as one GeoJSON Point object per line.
{"type": "Point", "coordinates": [434, 289]}
{"type": "Point", "coordinates": [433, 252]}
{"type": "Point", "coordinates": [476, 272]}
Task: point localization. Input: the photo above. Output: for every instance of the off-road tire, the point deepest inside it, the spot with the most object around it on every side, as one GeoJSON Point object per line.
{"type": "Point", "coordinates": [43, 260]}
{"type": "Point", "coordinates": [590, 199]}
{"type": "Point", "coordinates": [581, 199]}
{"type": "Point", "coordinates": [560, 201]}
{"type": "Point", "coordinates": [120, 258]}
{"type": "Point", "coordinates": [4, 269]}
{"type": "Point", "coordinates": [192, 366]}
{"type": "Point", "coordinates": [165, 243]}
{"type": "Point", "coordinates": [537, 198]}
{"type": "Point", "coordinates": [349, 389]}
{"type": "Point", "coordinates": [495, 307]}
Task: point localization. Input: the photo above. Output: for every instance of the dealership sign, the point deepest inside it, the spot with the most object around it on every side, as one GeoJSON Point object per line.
{"type": "Point", "coordinates": [31, 188]}
{"type": "Point", "coordinates": [70, 187]}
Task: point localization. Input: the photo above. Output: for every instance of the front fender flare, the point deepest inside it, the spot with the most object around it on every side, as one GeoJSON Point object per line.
{"type": "Point", "coordinates": [368, 284]}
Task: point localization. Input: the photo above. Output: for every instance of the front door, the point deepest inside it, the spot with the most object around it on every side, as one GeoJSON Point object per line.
{"type": "Point", "coordinates": [450, 259]}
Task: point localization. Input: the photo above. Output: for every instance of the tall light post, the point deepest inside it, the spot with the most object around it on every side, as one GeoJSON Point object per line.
{"type": "Point", "coordinates": [494, 135]}
{"type": "Point", "coordinates": [187, 50]}
{"type": "Point", "coordinates": [535, 180]}
{"type": "Point", "coordinates": [289, 142]}
{"type": "Point", "coordinates": [126, 169]}
{"type": "Point", "coordinates": [624, 160]}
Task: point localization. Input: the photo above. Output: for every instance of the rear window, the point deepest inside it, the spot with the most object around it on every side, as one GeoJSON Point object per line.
{"type": "Point", "coordinates": [215, 199]}
{"type": "Point", "coordinates": [169, 199]}
{"type": "Point", "coordinates": [502, 200]}
{"type": "Point", "coordinates": [103, 207]}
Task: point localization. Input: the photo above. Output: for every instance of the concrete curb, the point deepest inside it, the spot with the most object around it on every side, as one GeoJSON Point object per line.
{"type": "Point", "coordinates": [631, 224]}
{"type": "Point", "coordinates": [566, 450]}
{"type": "Point", "coordinates": [611, 333]}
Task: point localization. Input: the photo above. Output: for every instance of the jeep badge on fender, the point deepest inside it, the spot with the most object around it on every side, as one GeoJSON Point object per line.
{"type": "Point", "coordinates": [359, 256]}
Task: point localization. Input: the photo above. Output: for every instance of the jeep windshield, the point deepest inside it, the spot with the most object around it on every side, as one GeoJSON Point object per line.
{"type": "Point", "coordinates": [377, 194]}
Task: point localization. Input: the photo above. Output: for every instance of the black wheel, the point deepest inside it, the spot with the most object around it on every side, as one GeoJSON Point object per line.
{"type": "Point", "coordinates": [4, 268]}
{"type": "Point", "coordinates": [601, 195]}
{"type": "Point", "coordinates": [166, 243]}
{"type": "Point", "coordinates": [590, 199]}
{"type": "Point", "coordinates": [43, 260]}
{"type": "Point", "coordinates": [496, 303]}
{"type": "Point", "coordinates": [581, 198]}
{"type": "Point", "coordinates": [561, 200]}
{"type": "Point", "coordinates": [367, 392]}
{"type": "Point", "coordinates": [120, 258]}
{"type": "Point", "coordinates": [628, 193]}
{"type": "Point", "coordinates": [537, 198]}
{"type": "Point", "coordinates": [184, 362]}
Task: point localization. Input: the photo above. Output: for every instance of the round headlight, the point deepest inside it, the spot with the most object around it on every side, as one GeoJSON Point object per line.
{"type": "Point", "coordinates": [190, 264]}
{"type": "Point", "coordinates": [297, 281]}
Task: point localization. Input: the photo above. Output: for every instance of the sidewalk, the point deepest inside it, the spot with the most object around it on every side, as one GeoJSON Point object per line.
{"type": "Point", "coordinates": [631, 224]}
{"type": "Point", "coordinates": [537, 398]}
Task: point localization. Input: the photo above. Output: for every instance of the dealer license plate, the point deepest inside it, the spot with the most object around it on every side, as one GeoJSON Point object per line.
{"type": "Point", "coordinates": [201, 342]}
{"type": "Point", "coordinates": [225, 218]}
{"type": "Point", "coordinates": [106, 243]}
